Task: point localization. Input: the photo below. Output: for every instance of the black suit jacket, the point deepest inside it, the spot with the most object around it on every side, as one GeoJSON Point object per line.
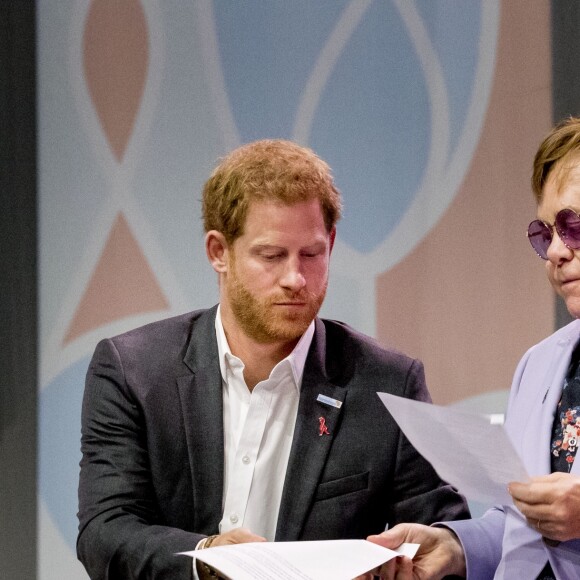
{"type": "Point", "coordinates": [151, 481]}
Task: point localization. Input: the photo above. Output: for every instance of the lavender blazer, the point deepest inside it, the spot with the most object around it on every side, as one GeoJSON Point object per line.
{"type": "Point", "coordinates": [151, 481]}
{"type": "Point", "coordinates": [501, 544]}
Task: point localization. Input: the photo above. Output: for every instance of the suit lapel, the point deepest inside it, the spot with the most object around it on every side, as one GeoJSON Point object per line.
{"type": "Point", "coordinates": [310, 448]}
{"type": "Point", "coordinates": [540, 414]}
{"type": "Point", "coordinates": [202, 405]}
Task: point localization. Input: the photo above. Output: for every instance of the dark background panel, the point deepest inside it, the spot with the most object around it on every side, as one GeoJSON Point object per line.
{"type": "Point", "coordinates": [18, 261]}
{"type": "Point", "coordinates": [18, 321]}
{"type": "Point", "coordinates": [565, 82]}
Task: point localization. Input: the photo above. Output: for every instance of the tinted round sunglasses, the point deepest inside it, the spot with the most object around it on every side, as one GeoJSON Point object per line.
{"type": "Point", "coordinates": [567, 225]}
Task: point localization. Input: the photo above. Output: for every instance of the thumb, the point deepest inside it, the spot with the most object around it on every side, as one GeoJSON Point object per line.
{"type": "Point", "coordinates": [390, 539]}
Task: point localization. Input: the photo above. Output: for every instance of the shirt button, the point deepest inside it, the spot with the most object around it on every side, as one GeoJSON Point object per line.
{"type": "Point", "coordinates": [245, 460]}
{"type": "Point", "coordinates": [234, 518]}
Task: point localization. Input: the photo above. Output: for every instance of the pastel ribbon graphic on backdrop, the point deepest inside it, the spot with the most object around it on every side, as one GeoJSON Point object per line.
{"type": "Point", "coordinates": [115, 61]}
{"type": "Point", "coordinates": [391, 94]}
{"type": "Point", "coordinates": [121, 277]}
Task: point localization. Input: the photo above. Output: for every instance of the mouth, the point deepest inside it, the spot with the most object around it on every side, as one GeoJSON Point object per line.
{"type": "Point", "coordinates": [569, 282]}
{"type": "Point", "coordinates": [569, 279]}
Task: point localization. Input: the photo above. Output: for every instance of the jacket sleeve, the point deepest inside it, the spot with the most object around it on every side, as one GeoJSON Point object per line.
{"type": "Point", "coordinates": [121, 530]}
{"type": "Point", "coordinates": [419, 493]}
{"type": "Point", "coordinates": [481, 540]}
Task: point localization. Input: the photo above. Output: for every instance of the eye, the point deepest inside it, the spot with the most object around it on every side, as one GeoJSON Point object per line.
{"type": "Point", "coordinates": [271, 257]}
{"type": "Point", "coordinates": [313, 253]}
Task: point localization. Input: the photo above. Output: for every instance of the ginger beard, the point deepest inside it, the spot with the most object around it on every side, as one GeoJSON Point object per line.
{"type": "Point", "coordinates": [262, 319]}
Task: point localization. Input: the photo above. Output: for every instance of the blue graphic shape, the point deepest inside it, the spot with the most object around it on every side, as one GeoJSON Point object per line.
{"type": "Point", "coordinates": [268, 50]}
{"type": "Point", "coordinates": [374, 119]}
{"type": "Point", "coordinates": [454, 27]}
{"type": "Point", "coordinates": [59, 442]}
{"type": "Point", "coordinates": [373, 127]}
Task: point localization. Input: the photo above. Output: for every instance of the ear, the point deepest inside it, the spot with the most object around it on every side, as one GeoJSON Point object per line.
{"type": "Point", "coordinates": [216, 249]}
{"type": "Point", "coordinates": [332, 238]}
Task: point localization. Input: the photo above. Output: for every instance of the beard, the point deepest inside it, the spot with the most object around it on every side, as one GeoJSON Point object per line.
{"type": "Point", "coordinates": [265, 322]}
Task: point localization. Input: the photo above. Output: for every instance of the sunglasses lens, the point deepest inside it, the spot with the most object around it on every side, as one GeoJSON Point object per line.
{"type": "Point", "coordinates": [540, 237]}
{"type": "Point", "coordinates": [568, 228]}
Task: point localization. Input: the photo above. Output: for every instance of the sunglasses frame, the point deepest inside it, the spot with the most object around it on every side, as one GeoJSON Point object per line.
{"type": "Point", "coordinates": [563, 233]}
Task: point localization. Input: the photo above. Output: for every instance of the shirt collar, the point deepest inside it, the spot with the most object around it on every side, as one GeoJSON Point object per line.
{"type": "Point", "coordinates": [296, 359]}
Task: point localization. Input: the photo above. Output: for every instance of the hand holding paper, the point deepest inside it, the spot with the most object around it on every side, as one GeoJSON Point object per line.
{"type": "Point", "coordinates": [322, 560]}
{"type": "Point", "coordinates": [440, 553]}
{"type": "Point", "coordinates": [464, 448]}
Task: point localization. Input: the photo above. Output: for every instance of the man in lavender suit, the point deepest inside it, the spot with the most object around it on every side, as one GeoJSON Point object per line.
{"type": "Point", "coordinates": [539, 536]}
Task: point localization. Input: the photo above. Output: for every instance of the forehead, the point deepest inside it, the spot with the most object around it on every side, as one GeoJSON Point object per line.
{"type": "Point", "coordinates": [268, 219]}
{"type": "Point", "coordinates": [562, 189]}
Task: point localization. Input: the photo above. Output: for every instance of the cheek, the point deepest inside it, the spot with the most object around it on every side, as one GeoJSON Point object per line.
{"type": "Point", "coordinates": [550, 273]}
{"type": "Point", "coordinates": [317, 272]}
{"type": "Point", "coordinates": [573, 307]}
{"type": "Point", "coordinates": [259, 281]}
{"type": "Point", "coordinates": [252, 273]}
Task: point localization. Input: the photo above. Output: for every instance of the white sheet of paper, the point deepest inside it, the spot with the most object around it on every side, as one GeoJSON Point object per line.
{"type": "Point", "coordinates": [321, 560]}
{"type": "Point", "coordinates": [464, 448]}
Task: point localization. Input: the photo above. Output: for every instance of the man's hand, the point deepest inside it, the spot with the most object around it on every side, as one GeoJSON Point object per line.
{"type": "Point", "coordinates": [551, 504]}
{"type": "Point", "coordinates": [236, 536]}
{"type": "Point", "coordinates": [439, 555]}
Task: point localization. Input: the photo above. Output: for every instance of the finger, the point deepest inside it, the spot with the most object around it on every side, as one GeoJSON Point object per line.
{"type": "Point", "coordinates": [237, 536]}
{"type": "Point", "coordinates": [399, 568]}
{"type": "Point", "coordinates": [404, 568]}
{"type": "Point", "coordinates": [392, 538]}
{"type": "Point", "coordinates": [250, 537]}
{"type": "Point", "coordinates": [533, 515]}
{"type": "Point", "coordinates": [367, 576]}
{"type": "Point", "coordinates": [388, 570]}
{"type": "Point", "coordinates": [549, 529]}
{"type": "Point", "coordinates": [537, 490]}
{"type": "Point", "coordinates": [520, 491]}
{"type": "Point", "coordinates": [536, 523]}
{"type": "Point", "coordinates": [537, 511]}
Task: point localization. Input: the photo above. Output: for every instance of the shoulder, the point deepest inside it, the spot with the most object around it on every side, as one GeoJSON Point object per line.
{"type": "Point", "coordinates": [341, 335]}
{"type": "Point", "coordinates": [566, 335]}
{"type": "Point", "coordinates": [344, 344]}
{"type": "Point", "coordinates": [165, 339]}
{"type": "Point", "coordinates": [544, 363]}
{"type": "Point", "coordinates": [174, 326]}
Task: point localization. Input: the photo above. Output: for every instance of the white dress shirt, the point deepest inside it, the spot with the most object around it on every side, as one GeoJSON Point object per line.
{"type": "Point", "coordinates": [258, 431]}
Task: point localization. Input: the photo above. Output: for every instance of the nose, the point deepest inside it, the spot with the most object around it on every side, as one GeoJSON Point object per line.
{"type": "Point", "coordinates": [293, 277]}
{"type": "Point", "coordinates": [558, 251]}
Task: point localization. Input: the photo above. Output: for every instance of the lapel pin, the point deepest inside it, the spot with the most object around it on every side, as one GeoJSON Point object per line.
{"type": "Point", "coordinates": [322, 428]}
{"type": "Point", "coordinates": [329, 401]}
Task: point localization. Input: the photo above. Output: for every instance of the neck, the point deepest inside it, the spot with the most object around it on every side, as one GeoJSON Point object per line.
{"type": "Point", "coordinates": [259, 358]}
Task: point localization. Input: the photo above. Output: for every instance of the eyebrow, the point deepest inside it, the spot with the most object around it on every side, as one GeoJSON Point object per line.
{"type": "Point", "coordinates": [319, 244]}
{"type": "Point", "coordinates": [576, 211]}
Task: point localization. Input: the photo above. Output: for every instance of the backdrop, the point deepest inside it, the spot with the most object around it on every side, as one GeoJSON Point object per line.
{"type": "Point", "coordinates": [429, 112]}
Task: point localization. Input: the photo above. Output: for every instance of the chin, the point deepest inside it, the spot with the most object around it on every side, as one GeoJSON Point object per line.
{"type": "Point", "coordinates": [573, 306]}
{"type": "Point", "coordinates": [289, 330]}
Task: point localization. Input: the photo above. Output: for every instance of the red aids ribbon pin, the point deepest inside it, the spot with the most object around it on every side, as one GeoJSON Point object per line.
{"type": "Point", "coordinates": [322, 428]}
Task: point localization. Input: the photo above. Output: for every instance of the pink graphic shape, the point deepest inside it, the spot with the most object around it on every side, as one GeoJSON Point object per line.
{"type": "Point", "coordinates": [472, 297]}
{"type": "Point", "coordinates": [121, 285]}
{"type": "Point", "coordinates": [115, 61]}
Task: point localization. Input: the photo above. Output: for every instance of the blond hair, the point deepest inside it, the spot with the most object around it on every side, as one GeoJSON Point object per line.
{"type": "Point", "coordinates": [561, 145]}
{"type": "Point", "coordinates": [267, 170]}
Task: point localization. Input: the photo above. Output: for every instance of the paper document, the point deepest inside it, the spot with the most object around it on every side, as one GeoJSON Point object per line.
{"type": "Point", "coordinates": [323, 560]}
{"type": "Point", "coordinates": [465, 450]}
